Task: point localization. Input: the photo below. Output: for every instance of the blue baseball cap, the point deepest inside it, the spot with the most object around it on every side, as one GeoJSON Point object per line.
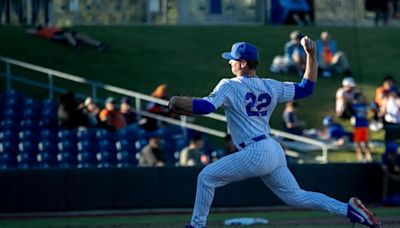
{"type": "Point", "coordinates": [242, 51]}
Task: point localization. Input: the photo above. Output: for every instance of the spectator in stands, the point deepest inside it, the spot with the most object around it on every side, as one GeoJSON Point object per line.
{"type": "Point", "coordinates": [330, 59]}
{"type": "Point", "coordinates": [69, 115]}
{"type": "Point", "coordinates": [151, 124]}
{"type": "Point", "coordinates": [67, 36]}
{"type": "Point", "coordinates": [345, 97]}
{"type": "Point", "coordinates": [110, 117]}
{"type": "Point", "coordinates": [291, 123]}
{"type": "Point", "coordinates": [127, 111]}
{"type": "Point", "coordinates": [390, 111]}
{"type": "Point", "coordinates": [294, 53]}
{"type": "Point", "coordinates": [391, 170]}
{"type": "Point", "coordinates": [381, 93]}
{"type": "Point", "coordinates": [91, 111]}
{"type": "Point", "coordinates": [152, 155]}
{"type": "Point", "coordinates": [381, 9]}
{"type": "Point", "coordinates": [334, 131]}
{"type": "Point", "coordinates": [360, 133]}
{"type": "Point", "coordinates": [192, 155]}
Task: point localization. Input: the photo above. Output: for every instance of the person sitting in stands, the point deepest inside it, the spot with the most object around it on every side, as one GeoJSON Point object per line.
{"type": "Point", "coordinates": [127, 111]}
{"type": "Point", "coordinates": [192, 155]}
{"type": "Point", "coordinates": [67, 36]}
{"type": "Point", "coordinates": [291, 123]}
{"type": "Point", "coordinates": [330, 59]}
{"type": "Point", "coordinates": [152, 155]}
{"type": "Point", "coordinates": [334, 132]}
{"type": "Point", "coordinates": [111, 118]}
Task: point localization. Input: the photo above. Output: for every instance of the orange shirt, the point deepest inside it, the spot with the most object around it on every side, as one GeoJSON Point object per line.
{"type": "Point", "coordinates": [380, 92]}
{"type": "Point", "coordinates": [112, 118]}
{"type": "Point", "coordinates": [48, 32]}
{"type": "Point", "coordinates": [328, 56]}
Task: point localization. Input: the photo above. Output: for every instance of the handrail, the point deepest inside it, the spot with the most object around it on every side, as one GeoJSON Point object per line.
{"type": "Point", "coordinates": [139, 96]}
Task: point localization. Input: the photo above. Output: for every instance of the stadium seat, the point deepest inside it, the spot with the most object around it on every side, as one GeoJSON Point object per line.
{"type": "Point", "coordinates": [8, 160]}
{"type": "Point", "coordinates": [88, 145]}
{"type": "Point", "coordinates": [126, 159]}
{"type": "Point", "coordinates": [9, 147]}
{"type": "Point", "coordinates": [11, 125]}
{"type": "Point", "coordinates": [87, 159]}
{"type": "Point", "coordinates": [48, 146]}
{"type": "Point", "coordinates": [29, 135]}
{"type": "Point", "coordinates": [49, 135]}
{"type": "Point", "coordinates": [47, 160]}
{"type": "Point", "coordinates": [30, 124]}
{"type": "Point", "coordinates": [107, 145]}
{"type": "Point", "coordinates": [107, 159]}
{"type": "Point", "coordinates": [10, 136]}
{"type": "Point", "coordinates": [68, 135]}
{"type": "Point", "coordinates": [49, 123]}
{"type": "Point", "coordinates": [68, 159]}
{"type": "Point", "coordinates": [13, 94]}
{"type": "Point", "coordinates": [103, 134]}
{"type": "Point", "coordinates": [32, 114]}
{"type": "Point", "coordinates": [27, 160]}
{"type": "Point", "coordinates": [30, 103]}
{"type": "Point", "coordinates": [126, 145]}
{"type": "Point", "coordinates": [29, 147]}
{"type": "Point", "coordinates": [68, 147]}
{"type": "Point", "coordinates": [12, 114]}
{"type": "Point", "coordinates": [87, 134]}
{"type": "Point", "coordinates": [128, 133]}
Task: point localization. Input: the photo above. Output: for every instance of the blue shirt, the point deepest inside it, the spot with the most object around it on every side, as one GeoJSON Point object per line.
{"type": "Point", "coordinates": [336, 131]}
{"type": "Point", "coordinates": [360, 114]}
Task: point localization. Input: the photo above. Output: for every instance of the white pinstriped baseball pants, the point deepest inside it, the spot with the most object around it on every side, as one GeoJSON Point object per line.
{"type": "Point", "coordinates": [264, 159]}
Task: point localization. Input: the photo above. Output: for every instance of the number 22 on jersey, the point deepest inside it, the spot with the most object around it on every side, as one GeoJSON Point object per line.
{"type": "Point", "coordinates": [257, 105]}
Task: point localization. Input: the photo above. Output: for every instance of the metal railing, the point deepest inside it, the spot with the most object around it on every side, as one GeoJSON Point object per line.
{"type": "Point", "coordinates": [139, 97]}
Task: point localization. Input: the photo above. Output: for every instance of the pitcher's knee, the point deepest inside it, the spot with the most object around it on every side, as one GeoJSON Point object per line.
{"type": "Point", "coordinates": [204, 178]}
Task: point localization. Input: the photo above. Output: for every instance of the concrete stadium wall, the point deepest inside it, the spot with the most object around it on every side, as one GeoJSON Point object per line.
{"type": "Point", "coordinates": [93, 189]}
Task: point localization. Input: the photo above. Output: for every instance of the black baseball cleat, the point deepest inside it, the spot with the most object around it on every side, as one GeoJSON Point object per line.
{"type": "Point", "coordinates": [358, 213]}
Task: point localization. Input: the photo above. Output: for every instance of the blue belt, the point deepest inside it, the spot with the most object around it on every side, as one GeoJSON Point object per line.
{"type": "Point", "coordinates": [255, 139]}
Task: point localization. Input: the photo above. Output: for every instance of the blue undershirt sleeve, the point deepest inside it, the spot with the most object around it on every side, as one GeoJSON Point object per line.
{"type": "Point", "coordinates": [202, 107]}
{"type": "Point", "coordinates": [303, 89]}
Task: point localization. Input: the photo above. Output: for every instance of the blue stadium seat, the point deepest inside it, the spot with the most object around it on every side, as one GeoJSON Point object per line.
{"type": "Point", "coordinates": [47, 160]}
{"type": "Point", "coordinates": [126, 145]}
{"type": "Point", "coordinates": [11, 125]}
{"type": "Point", "coordinates": [10, 136]}
{"type": "Point", "coordinates": [107, 159]}
{"type": "Point", "coordinates": [87, 134]}
{"type": "Point", "coordinates": [8, 160]}
{"type": "Point", "coordinates": [88, 145]}
{"type": "Point", "coordinates": [13, 94]}
{"type": "Point", "coordinates": [49, 123]}
{"type": "Point", "coordinates": [48, 146]}
{"type": "Point", "coordinates": [128, 133]}
{"type": "Point", "coordinates": [29, 135]}
{"type": "Point", "coordinates": [103, 134]}
{"type": "Point", "coordinates": [68, 147]}
{"type": "Point", "coordinates": [107, 145]}
{"type": "Point", "coordinates": [126, 159]}
{"type": "Point", "coordinates": [27, 160]}
{"type": "Point", "coordinates": [29, 147]}
{"type": "Point", "coordinates": [30, 124]}
{"type": "Point", "coordinates": [50, 104]}
{"type": "Point", "coordinates": [68, 159]}
{"type": "Point", "coordinates": [87, 159]}
{"type": "Point", "coordinates": [13, 114]}
{"type": "Point", "coordinates": [30, 103]}
{"type": "Point", "coordinates": [9, 147]}
{"type": "Point", "coordinates": [68, 135]}
{"type": "Point", "coordinates": [32, 114]}
{"type": "Point", "coordinates": [49, 135]}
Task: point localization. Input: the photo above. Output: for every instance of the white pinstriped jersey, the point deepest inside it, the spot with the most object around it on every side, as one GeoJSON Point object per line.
{"type": "Point", "coordinates": [248, 104]}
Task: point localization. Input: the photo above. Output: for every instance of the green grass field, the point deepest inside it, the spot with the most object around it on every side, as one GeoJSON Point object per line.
{"type": "Point", "coordinates": [279, 218]}
{"type": "Point", "coordinates": [188, 60]}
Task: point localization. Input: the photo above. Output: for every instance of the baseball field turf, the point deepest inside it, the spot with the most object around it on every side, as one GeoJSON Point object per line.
{"type": "Point", "coordinates": [281, 218]}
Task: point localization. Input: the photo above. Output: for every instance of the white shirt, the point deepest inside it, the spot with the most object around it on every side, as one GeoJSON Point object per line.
{"type": "Point", "coordinates": [249, 103]}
